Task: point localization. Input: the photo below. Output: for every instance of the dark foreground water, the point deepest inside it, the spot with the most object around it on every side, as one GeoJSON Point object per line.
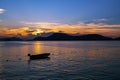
{"type": "Point", "coordinates": [81, 60]}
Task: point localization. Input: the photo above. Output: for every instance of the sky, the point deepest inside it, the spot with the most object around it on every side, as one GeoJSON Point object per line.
{"type": "Point", "coordinates": [24, 17]}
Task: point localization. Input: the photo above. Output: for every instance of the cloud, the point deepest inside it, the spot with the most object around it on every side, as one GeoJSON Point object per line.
{"type": "Point", "coordinates": [45, 29]}
{"type": "Point", "coordinates": [2, 11]}
{"type": "Point", "coordinates": [39, 23]}
{"type": "Point", "coordinates": [30, 31]}
{"type": "Point", "coordinates": [101, 19]}
{"type": "Point", "coordinates": [81, 28]}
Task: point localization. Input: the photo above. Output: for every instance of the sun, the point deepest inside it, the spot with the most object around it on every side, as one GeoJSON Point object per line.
{"type": "Point", "coordinates": [38, 31]}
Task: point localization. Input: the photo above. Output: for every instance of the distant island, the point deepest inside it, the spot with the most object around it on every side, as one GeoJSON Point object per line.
{"type": "Point", "coordinates": [64, 37]}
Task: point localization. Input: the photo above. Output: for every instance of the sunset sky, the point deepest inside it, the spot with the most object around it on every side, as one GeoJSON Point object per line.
{"type": "Point", "coordinates": [24, 17]}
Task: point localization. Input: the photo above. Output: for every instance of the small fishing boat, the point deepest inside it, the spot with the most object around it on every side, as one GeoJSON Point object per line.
{"type": "Point", "coordinates": [39, 56]}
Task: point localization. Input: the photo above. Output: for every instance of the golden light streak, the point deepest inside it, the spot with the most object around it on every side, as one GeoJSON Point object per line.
{"type": "Point", "coordinates": [37, 47]}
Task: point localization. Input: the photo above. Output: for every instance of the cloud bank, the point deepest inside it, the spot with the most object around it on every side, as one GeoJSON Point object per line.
{"type": "Point", "coordinates": [34, 28]}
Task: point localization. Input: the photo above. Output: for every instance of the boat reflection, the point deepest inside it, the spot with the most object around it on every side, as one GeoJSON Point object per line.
{"type": "Point", "coordinates": [32, 62]}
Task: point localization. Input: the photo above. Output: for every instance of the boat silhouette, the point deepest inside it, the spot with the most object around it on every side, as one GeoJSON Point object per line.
{"type": "Point", "coordinates": [39, 56]}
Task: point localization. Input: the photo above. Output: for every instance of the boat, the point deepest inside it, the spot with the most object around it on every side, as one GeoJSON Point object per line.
{"type": "Point", "coordinates": [39, 56]}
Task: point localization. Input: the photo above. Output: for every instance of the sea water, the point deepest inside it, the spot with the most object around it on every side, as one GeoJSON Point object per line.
{"type": "Point", "coordinates": [69, 60]}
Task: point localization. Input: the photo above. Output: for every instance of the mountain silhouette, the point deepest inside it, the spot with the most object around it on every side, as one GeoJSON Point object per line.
{"type": "Point", "coordinates": [10, 39]}
{"type": "Point", "coordinates": [118, 38]}
{"type": "Point", "coordinates": [56, 36]}
{"type": "Point", "coordinates": [64, 36]}
{"type": "Point", "coordinates": [94, 37]}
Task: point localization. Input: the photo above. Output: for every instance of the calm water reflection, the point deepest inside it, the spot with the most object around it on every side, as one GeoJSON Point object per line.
{"type": "Point", "coordinates": [79, 60]}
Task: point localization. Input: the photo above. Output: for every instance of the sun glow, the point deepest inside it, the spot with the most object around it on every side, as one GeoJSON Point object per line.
{"type": "Point", "coordinates": [38, 31]}
{"type": "Point", "coordinates": [81, 28]}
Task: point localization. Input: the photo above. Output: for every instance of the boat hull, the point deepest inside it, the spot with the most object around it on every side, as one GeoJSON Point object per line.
{"type": "Point", "coordinates": [39, 56]}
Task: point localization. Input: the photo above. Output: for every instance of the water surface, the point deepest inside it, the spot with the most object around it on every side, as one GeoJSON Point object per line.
{"type": "Point", "coordinates": [69, 60]}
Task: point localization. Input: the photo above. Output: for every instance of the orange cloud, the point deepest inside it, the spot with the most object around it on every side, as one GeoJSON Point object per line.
{"type": "Point", "coordinates": [13, 31]}
{"type": "Point", "coordinates": [81, 28]}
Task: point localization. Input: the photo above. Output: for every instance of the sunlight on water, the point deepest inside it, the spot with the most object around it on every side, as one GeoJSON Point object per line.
{"type": "Point", "coordinates": [72, 60]}
{"type": "Point", "coordinates": [37, 48]}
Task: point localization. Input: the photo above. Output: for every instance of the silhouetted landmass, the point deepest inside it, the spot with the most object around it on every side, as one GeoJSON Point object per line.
{"type": "Point", "coordinates": [64, 37]}
{"type": "Point", "coordinates": [56, 36]}
{"type": "Point", "coordinates": [118, 38]}
{"type": "Point", "coordinates": [94, 37]}
{"type": "Point", "coordinates": [10, 39]}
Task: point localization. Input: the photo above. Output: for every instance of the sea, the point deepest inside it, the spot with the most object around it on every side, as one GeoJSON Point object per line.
{"type": "Point", "coordinates": [69, 60]}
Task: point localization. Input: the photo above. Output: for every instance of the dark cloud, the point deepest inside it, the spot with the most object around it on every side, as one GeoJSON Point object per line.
{"type": "Point", "coordinates": [45, 29]}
